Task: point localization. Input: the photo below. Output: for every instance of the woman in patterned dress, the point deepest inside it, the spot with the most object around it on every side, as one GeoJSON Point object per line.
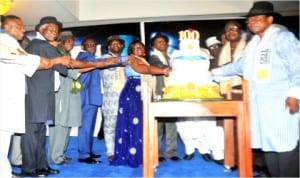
{"type": "Point", "coordinates": [128, 138]}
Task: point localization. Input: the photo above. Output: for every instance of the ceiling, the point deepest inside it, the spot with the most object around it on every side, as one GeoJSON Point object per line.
{"type": "Point", "coordinates": [74, 13]}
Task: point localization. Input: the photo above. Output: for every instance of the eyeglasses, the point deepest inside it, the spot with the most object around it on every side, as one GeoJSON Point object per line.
{"type": "Point", "coordinates": [232, 28]}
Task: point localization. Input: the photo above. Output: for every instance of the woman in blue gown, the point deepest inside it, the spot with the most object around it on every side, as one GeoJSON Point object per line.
{"type": "Point", "coordinates": [129, 128]}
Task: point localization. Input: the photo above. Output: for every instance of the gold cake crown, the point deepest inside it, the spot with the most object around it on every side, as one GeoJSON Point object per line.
{"type": "Point", "coordinates": [189, 34]}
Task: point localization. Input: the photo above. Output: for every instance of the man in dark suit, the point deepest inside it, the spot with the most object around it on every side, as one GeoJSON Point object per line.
{"type": "Point", "coordinates": [160, 58]}
{"type": "Point", "coordinates": [40, 100]}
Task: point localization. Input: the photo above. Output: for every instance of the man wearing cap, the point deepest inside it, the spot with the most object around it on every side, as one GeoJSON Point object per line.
{"type": "Point", "coordinates": [214, 47]}
{"type": "Point", "coordinates": [113, 81]}
{"type": "Point", "coordinates": [40, 100]}
{"type": "Point", "coordinates": [66, 114]}
{"type": "Point", "coordinates": [271, 64]}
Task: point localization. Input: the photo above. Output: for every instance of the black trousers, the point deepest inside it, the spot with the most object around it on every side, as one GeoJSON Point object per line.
{"type": "Point", "coordinates": [283, 164]}
{"type": "Point", "coordinates": [33, 147]}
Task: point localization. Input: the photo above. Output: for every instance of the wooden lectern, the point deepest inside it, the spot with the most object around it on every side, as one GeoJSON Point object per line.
{"type": "Point", "coordinates": [230, 110]}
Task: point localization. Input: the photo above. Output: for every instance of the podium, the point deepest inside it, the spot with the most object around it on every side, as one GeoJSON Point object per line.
{"type": "Point", "coordinates": [230, 110]}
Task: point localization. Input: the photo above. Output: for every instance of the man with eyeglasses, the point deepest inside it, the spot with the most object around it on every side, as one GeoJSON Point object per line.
{"type": "Point", "coordinates": [235, 43]}
{"type": "Point", "coordinates": [271, 64]}
{"type": "Point", "coordinates": [233, 47]}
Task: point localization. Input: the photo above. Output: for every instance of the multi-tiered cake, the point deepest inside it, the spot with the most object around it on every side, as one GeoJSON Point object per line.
{"type": "Point", "coordinates": [190, 77]}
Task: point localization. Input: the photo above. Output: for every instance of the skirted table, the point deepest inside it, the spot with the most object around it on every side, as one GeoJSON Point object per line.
{"type": "Point", "coordinates": [228, 109]}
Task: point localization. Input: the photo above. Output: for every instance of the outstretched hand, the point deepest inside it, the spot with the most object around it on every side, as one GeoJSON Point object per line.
{"type": "Point", "coordinates": [111, 61]}
{"type": "Point", "coordinates": [65, 60]}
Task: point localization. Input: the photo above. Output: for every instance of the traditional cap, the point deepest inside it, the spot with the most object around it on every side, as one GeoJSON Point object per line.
{"type": "Point", "coordinates": [261, 8]}
{"type": "Point", "coordinates": [112, 38]}
{"type": "Point", "coordinates": [211, 41]}
{"type": "Point", "coordinates": [48, 19]}
{"type": "Point", "coordinates": [65, 34]}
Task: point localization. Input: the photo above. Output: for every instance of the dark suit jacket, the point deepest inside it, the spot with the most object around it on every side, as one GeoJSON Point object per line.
{"type": "Point", "coordinates": [40, 99]}
{"type": "Point", "coordinates": [160, 83]}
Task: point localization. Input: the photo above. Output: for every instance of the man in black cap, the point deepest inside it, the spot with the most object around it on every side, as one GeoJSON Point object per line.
{"type": "Point", "coordinates": [271, 64]}
{"type": "Point", "coordinates": [40, 100]}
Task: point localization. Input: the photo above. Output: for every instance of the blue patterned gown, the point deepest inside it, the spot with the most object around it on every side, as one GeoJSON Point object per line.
{"type": "Point", "coordinates": [128, 138]}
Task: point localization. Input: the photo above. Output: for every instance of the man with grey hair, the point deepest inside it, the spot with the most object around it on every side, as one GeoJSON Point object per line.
{"type": "Point", "coordinates": [40, 100]}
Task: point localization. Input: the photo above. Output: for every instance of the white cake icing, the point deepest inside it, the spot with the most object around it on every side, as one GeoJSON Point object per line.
{"type": "Point", "coordinates": [190, 68]}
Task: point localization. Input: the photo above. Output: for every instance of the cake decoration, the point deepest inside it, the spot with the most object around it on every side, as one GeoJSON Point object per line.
{"type": "Point", "coordinates": [190, 77]}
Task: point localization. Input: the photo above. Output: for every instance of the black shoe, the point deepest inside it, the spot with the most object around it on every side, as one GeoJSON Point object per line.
{"type": "Point", "coordinates": [110, 158]}
{"type": "Point", "coordinates": [189, 157]}
{"type": "Point", "coordinates": [234, 168]}
{"type": "Point", "coordinates": [47, 171]}
{"type": "Point", "coordinates": [175, 158]}
{"type": "Point", "coordinates": [67, 158]}
{"type": "Point", "coordinates": [89, 160]}
{"type": "Point", "coordinates": [206, 157]}
{"type": "Point", "coordinates": [92, 155]}
{"type": "Point", "coordinates": [219, 162]}
{"type": "Point", "coordinates": [161, 159]}
{"type": "Point", "coordinates": [52, 171]}
{"type": "Point", "coordinates": [33, 174]}
{"type": "Point", "coordinates": [263, 173]}
{"type": "Point", "coordinates": [64, 162]}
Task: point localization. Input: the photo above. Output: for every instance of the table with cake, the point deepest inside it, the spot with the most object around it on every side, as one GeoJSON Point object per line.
{"type": "Point", "coordinates": [190, 92]}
